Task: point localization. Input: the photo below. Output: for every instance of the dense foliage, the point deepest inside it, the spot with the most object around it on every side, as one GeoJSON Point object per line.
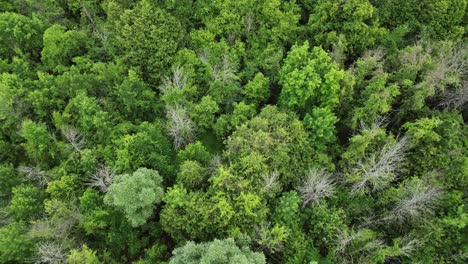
{"type": "Point", "coordinates": [236, 131]}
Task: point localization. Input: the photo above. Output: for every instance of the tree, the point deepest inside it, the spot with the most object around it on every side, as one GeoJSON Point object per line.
{"type": "Point", "coordinates": [84, 255]}
{"type": "Point", "coordinates": [229, 206]}
{"type": "Point", "coordinates": [85, 114]}
{"type": "Point", "coordinates": [136, 101]}
{"type": "Point", "coordinates": [321, 124]}
{"type": "Point", "coordinates": [309, 79]}
{"type": "Point", "coordinates": [353, 22]}
{"type": "Point", "coordinates": [145, 145]}
{"type": "Point", "coordinates": [374, 93]}
{"type": "Point", "coordinates": [15, 245]}
{"type": "Point", "coordinates": [39, 144]}
{"type": "Point", "coordinates": [195, 151]}
{"type": "Point", "coordinates": [265, 28]}
{"type": "Point", "coordinates": [26, 203]}
{"type": "Point", "coordinates": [9, 178]}
{"type": "Point", "coordinates": [61, 46]}
{"type": "Point", "coordinates": [203, 113]}
{"type": "Point", "coordinates": [148, 37]}
{"type": "Point", "coordinates": [192, 175]}
{"type": "Point", "coordinates": [257, 90]}
{"type": "Point", "coordinates": [136, 194]}
{"type": "Point", "coordinates": [218, 251]}
{"type": "Point", "coordinates": [19, 35]}
{"type": "Point", "coordinates": [440, 19]}
{"type": "Point", "coordinates": [280, 137]}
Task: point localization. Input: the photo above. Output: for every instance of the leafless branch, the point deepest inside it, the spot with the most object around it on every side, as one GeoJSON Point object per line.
{"type": "Point", "coordinates": [204, 55]}
{"type": "Point", "coordinates": [418, 200]}
{"type": "Point", "coordinates": [100, 34]}
{"type": "Point", "coordinates": [316, 185]}
{"type": "Point", "coordinates": [74, 137]}
{"type": "Point", "coordinates": [457, 98]}
{"type": "Point", "coordinates": [451, 60]}
{"type": "Point", "coordinates": [378, 123]}
{"type": "Point", "coordinates": [35, 174]}
{"type": "Point", "coordinates": [51, 252]}
{"type": "Point", "coordinates": [375, 54]}
{"type": "Point", "coordinates": [378, 170]}
{"type": "Point", "coordinates": [349, 251]}
{"type": "Point", "coordinates": [181, 127]}
{"type": "Point", "coordinates": [249, 22]}
{"type": "Point", "coordinates": [214, 164]}
{"type": "Point", "coordinates": [177, 81]}
{"type": "Point", "coordinates": [225, 71]}
{"type": "Point", "coordinates": [271, 181]}
{"type": "Point", "coordinates": [102, 178]}
{"type": "Point", "coordinates": [409, 246]}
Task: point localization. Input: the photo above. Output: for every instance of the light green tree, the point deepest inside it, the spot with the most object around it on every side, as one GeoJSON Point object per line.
{"type": "Point", "coordinates": [136, 194]}
{"type": "Point", "coordinates": [83, 256]}
{"type": "Point", "coordinates": [216, 252]}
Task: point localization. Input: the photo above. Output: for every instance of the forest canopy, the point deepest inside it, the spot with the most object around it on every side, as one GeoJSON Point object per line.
{"type": "Point", "coordinates": [235, 131]}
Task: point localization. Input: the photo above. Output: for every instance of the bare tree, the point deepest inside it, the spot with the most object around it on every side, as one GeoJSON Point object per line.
{"type": "Point", "coordinates": [408, 246]}
{"type": "Point", "coordinates": [102, 178]}
{"type": "Point", "coordinates": [456, 99]}
{"type": "Point", "coordinates": [224, 71]}
{"type": "Point", "coordinates": [418, 200]}
{"type": "Point", "coordinates": [51, 252]}
{"type": "Point", "coordinates": [4, 219]}
{"type": "Point", "coordinates": [61, 219]}
{"type": "Point", "coordinates": [416, 55]}
{"type": "Point", "coordinates": [214, 164]}
{"type": "Point", "coordinates": [35, 174]}
{"type": "Point", "coordinates": [181, 128]}
{"type": "Point", "coordinates": [337, 52]}
{"type": "Point", "coordinates": [74, 137]}
{"type": "Point", "coordinates": [451, 61]}
{"type": "Point", "coordinates": [102, 35]}
{"type": "Point", "coordinates": [379, 122]}
{"type": "Point", "coordinates": [375, 54]}
{"type": "Point", "coordinates": [249, 23]}
{"type": "Point", "coordinates": [379, 169]}
{"type": "Point", "coordinates": [271, 181]}
{"type": "Point", "coordinates": [42, 228]}
{"type": "Point", "coordinates": [316, 185]}
{"type": "Point", "coordinates": [204, 56]}
{"type": "Point", "coordinates": [177, 81]}
{"type": "Point", "coordinates": [356, 246]}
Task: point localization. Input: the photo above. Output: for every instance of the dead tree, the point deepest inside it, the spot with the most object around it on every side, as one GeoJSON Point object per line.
{"type": "Point", "coordinates": [180, 127]}
{"type": "Point", "coordinates": [316, 185]}
{"type": "Point", "coordinates": [379, 169]}
{"type": "Point", "coordinates": [102, 178]}
{"type": "Point", "coordinates": [74, 137]}
{"type": "Point", "coordinates": [418, 200]}
{"type": "Point", "coordinates": [35, 174]}
{"type": "Point", "coordinates": [51, 252]}
{"type": "Point", "coordinates": [177, 81]}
